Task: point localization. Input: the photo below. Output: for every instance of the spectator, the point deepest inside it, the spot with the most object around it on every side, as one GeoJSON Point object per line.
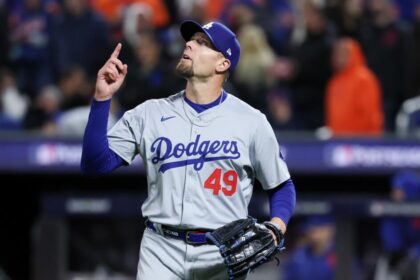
{"type": "Point", "coordinates": [30, 35]}
{"type": "Point", "coordinates": [149, 76]}
{"type": "Point", "coordinates": [353, 97]}
{"type": "Point", "coordinates": [251, 77]}
{"type": "Point", "coordinates": [113, 10]}
{"type": "Point", "coordinates": [238, 13]}
{"type": "Point", "coordinates": [280, 24]}
{"type": "Point", "coordinates": [388, 46]}
{"type": "Point", "coordinates": [272, 15]}
{"type": "Point", "coordinates": [74, 88]}
{"type": "Point", "coordinates": [44, 111]}
{"type": "Point", "coordinates": [72, 122]}
{"type": "Point", "coordinates": [4, 35]}
{"type": "Point", "coordinates": [406, 9]}
{"type": "Point", "coordinates": [80, 38]}
{"type": "Point", "coordinates": [110, 10]}
{"type": "Point", "coordinates": [315, 258]}
{"type": "Point", "coordinates": [76, 93]}
{"type": "Point", "coordinates": [416, 55]}
{"type": "Point", "coordinates": [401, 235]}
{"type": "Point", "coordinates": [137, 19]}
{"type": "Point", "coordinates": [12, 104]}
{"type": "Point", "coordinates": [408, 118]}
{"type": "Point", "coordinates": [306, 68]}
{"type": "Point", "coordinates": [348, 16]}
{"type": "Point", "coordinates": [279, 109]}
{"type": "Point", "coordinates": [202, 11]}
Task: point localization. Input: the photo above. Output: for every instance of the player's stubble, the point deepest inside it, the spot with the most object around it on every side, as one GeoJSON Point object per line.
{"type": "Point", "coordinates": [184, 68]}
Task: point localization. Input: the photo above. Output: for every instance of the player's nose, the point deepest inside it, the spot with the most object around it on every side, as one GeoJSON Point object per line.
{"type": "Point", "coordinates": [189, 44]}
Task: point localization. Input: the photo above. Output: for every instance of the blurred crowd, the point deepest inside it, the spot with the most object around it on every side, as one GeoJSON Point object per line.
{"type": "Point", "coordinates": [330, 67]}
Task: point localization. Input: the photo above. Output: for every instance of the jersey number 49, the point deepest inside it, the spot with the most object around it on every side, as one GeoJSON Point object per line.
{"type": "Point", "coordinates": [230, 179]}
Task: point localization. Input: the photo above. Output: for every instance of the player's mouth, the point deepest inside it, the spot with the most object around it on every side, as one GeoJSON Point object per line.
{"type": "Point", "coordinates": [184, 56]}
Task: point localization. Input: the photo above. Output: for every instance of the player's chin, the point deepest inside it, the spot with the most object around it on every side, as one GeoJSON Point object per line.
{"type": "Point", "coordinates": [184, 68]}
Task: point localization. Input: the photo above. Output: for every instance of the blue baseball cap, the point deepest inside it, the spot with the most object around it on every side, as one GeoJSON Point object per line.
{"type": "Point", "coordinates": [223, 39]}
{"type": "Point", "coordinates": [317, 221]}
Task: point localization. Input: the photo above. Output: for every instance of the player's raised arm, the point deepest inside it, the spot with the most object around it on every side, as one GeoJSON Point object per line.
{"type": "Point", "coordinates": [110, 76]}
{"type": "Point", "coordinates": [97, 157]}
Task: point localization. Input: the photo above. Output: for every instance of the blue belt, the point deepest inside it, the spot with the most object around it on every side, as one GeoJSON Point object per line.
{"type": "Point", "coordinates": [192, 237]}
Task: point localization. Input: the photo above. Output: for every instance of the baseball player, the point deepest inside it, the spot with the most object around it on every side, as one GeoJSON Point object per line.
{"type": "Point", "coordinates": [202, 149]}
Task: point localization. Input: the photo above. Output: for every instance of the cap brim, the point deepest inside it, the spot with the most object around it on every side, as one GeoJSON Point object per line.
{"type": "Point", "coordinates": [189, 28]}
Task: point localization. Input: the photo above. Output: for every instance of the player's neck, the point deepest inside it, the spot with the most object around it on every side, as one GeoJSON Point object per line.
{"type": "Point", "coordinates": [202, 93]}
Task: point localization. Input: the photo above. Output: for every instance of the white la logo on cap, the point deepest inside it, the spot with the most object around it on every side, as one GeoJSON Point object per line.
{"type": "Point", "coordinates": [208, 25]}
{"type": "Point", "coordinates": [229, 52]}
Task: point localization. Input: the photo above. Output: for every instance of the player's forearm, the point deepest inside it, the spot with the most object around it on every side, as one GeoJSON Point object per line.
{"type": "Point", "coordinates": [97, 158]}
{"type": "Point", "coordinates": [282, 204]}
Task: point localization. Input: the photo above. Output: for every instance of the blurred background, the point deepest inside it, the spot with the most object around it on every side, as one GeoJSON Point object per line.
{"type": "Point", "coordinates": [339, 80]}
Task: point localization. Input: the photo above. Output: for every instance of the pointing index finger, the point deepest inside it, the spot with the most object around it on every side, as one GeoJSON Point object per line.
{"type": "Point", "coordinates": [116, 51]}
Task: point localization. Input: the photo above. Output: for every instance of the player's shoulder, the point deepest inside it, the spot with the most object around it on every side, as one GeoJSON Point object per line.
{"type": "Point", "coordinates": [169, 101]}
{"type": "Point", "coordinates": [151, 107]}
{"type": "Point", "coordinates": [166, 101]}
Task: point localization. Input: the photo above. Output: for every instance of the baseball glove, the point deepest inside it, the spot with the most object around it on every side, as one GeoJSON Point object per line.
{"type": "Point", "coordinates": [245, 244]}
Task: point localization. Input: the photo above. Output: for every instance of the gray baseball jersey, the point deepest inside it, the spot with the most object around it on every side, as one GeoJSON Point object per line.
{"type": "Point", "coordinates": [200, 167]}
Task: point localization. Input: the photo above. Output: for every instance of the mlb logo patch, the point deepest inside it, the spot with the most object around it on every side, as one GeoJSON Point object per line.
{"type": "Point", "coordinates": [208, 25]}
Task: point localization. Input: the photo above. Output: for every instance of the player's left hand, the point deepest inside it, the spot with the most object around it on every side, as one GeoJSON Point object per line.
{"type": "Point", "coordinates": [245, 244]}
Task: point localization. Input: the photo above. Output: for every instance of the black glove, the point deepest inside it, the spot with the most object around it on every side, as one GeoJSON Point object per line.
{"type": "Point", "coordinates": [245, 244]}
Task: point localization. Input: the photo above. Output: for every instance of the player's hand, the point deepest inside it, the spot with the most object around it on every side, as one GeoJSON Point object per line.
{"type": "Point", "coordinates": [110, 76]}
{"type": "Point", "coordinates": [278, 223]}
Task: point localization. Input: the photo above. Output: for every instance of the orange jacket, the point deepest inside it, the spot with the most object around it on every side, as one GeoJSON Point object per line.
{"type": "Point", "coordinates": [354, 98]}
{"type": "Point", "coordinates": [110, 9]}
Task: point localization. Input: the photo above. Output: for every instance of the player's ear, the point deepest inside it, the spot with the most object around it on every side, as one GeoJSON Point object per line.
{"type": "Point", "coordinates": [222, 65]}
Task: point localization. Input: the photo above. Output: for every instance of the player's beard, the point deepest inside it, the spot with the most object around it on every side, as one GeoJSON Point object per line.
{"type": "Point", "coordinates": [184, 69]}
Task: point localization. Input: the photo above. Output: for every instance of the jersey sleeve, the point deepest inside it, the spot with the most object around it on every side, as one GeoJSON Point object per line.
{"type": "Point", "coordinates": [125, 136]}
{"type": "Point", "coordinates": [270, 168]}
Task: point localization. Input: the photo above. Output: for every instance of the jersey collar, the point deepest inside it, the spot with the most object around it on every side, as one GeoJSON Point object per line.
{"type": "Point", "coordinates": [199, 108]}
{"type": "Point", "coordinates": [205, 117]}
